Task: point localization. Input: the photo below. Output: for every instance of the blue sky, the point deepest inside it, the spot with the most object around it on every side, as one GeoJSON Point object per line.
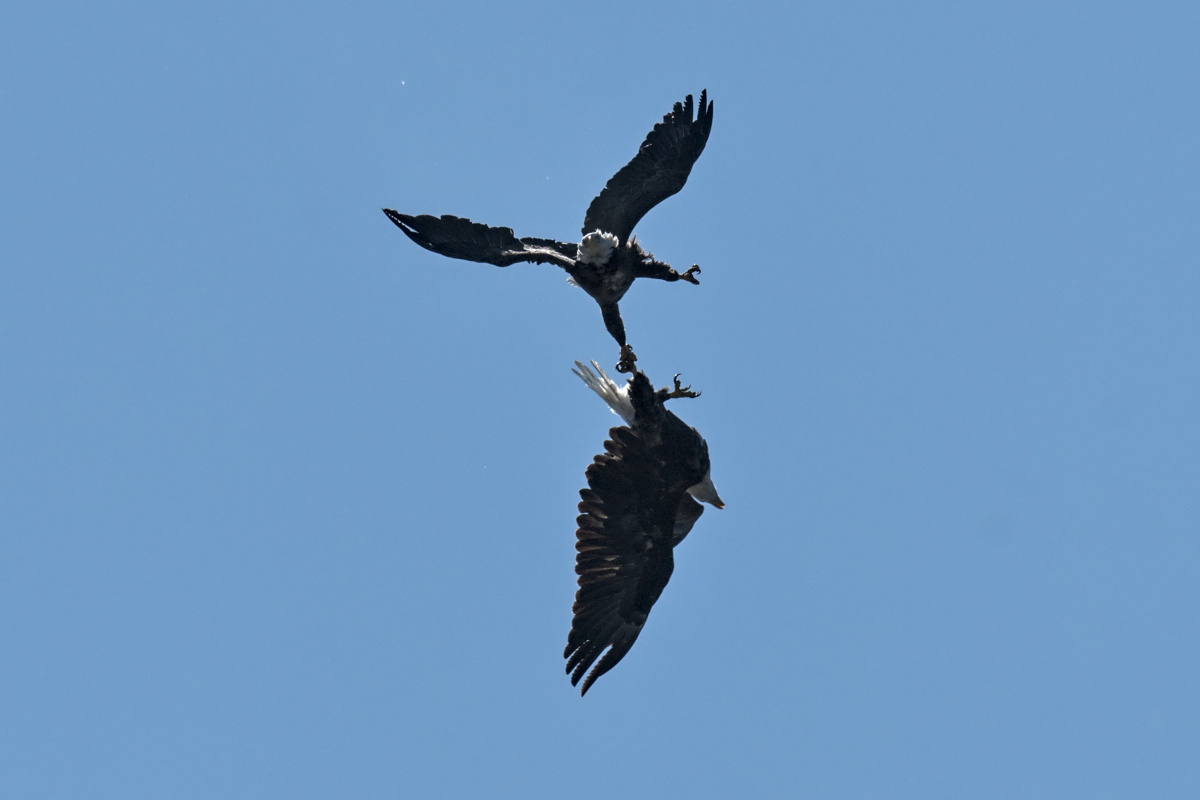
{"type": "Point", "coordinates": [287, 503]}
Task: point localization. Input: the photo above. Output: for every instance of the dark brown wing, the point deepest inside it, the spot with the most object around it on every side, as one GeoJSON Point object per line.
{"type": "Point", "coordinates": [686, 514]}
{"type": "Point", "coordinates": [623, 554]}
{"type": "Point", "coordinates": [457, 237]}
{"type": "Point", "coordinates": [659, 170]}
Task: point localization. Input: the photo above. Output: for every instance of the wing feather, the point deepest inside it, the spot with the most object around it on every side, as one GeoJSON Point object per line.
{"type": "Point", "coordinates": [623, 554]}
{"type": "Point", "coordinates": [458, 237]}
{"type": "Point", "coordinates": [659, 170]}
{"type": "Point", "coordinates": [686, 514]}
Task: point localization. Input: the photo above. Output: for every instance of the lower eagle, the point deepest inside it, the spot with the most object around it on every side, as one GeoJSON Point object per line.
{"type": "Point", "coordinates": [640, 503]}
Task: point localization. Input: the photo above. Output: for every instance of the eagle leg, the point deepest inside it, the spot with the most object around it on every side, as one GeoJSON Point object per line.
{"type": "Point", "coordinates": [679, 391]}
{"type": "Point", "coordinates": [628, 362]}
{"type": "Point", "coordinates": [665, 272]}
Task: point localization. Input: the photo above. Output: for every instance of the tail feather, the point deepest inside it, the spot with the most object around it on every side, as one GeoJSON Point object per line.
{"type": "Point", "coordinates": [617, 397]}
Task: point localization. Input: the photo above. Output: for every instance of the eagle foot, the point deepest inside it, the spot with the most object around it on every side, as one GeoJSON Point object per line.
{"type": "Point", "coordinates": [690, 275]}
{"type": "Point", "coordinates": [681, 391]}
{"type": "Point", "coordinates": [628, 362]}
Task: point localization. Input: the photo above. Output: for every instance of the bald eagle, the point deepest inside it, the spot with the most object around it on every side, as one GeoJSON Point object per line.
{"type": "Point", "coordinates": [641, 502]}
{"type": "Point", "coordinates": [608, 259]}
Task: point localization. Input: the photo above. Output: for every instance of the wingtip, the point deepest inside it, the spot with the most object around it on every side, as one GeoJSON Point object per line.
{"type": "Point", "coordinates": [401, 221]}
{"type": "Point", "coordinates": [705, 110]}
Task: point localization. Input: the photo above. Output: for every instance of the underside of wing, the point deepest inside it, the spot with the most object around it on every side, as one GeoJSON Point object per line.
{"type": "Point", "coordinates": [457, 237]}
{"type": "Point", "coordinates": [659, 170]}
{"type": "Point", "coordinates": [623, 555]}
{"type": "Point", "coordinates": [686, 514]}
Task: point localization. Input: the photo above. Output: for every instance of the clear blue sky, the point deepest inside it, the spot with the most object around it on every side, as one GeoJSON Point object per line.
{"type": "Point", "coordinates": [287, 503]}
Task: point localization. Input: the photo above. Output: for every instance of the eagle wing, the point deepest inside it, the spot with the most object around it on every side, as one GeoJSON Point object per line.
{"type": "Point", "coordinates": [659, 170]}
{"type": "Point", "coordinates": [686, 514]}
{"type": "Point", "coordinates": [458, 237]}
{"type": "Point", "coordinates": [623, 553]}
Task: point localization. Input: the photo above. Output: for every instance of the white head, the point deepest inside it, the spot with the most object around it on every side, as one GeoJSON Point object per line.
{"type": "Point", "coordinates": [706, 492]}
{"type": "Point", "coordinates": [597, 247]}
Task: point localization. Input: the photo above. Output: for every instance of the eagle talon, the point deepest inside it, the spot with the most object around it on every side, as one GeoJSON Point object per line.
{"type": "Point", "coordinates": [690, 275]}
{"type": "Point", "coordinates": [681, 391]}
{"type": "Point", "coordinates": [628, 362]}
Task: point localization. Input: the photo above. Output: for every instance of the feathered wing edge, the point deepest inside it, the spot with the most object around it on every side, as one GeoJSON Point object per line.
{"type": "Point", "coordinates": [622, 568]}
{"type": "Point", "coordinates": [660, 169]}
{"type": "Point", "coordinates": [458, 237]}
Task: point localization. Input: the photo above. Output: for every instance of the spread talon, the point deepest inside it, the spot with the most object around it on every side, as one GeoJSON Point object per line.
{"type": "Point", "coordinates": [681, 391]}
{"type": "Point", "coordinates": [628, 362]}
{"type": "Point", "coordinates": [690, 275]}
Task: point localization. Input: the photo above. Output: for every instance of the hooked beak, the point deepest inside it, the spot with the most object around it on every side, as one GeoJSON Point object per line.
{"type": "Point", "coordinates": [705, 492]}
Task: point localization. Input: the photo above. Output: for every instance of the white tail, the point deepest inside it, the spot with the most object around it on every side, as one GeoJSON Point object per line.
{"type": "Point", "coordinates": [617, 397]}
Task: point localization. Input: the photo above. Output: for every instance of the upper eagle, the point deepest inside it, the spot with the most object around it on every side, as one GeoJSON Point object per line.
{"type": "Point", "coordinates": [608, 259]}
{"type": "Point", "coordinates": [641, 502]}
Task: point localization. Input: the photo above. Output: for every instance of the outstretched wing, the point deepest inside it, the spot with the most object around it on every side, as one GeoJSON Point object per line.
{"type": "Point", "coordinates": [623, 554]}
{"type": "Point", "coordinates": [457, 237]}
{"type": "Point", "coordinates": [659, 170]}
